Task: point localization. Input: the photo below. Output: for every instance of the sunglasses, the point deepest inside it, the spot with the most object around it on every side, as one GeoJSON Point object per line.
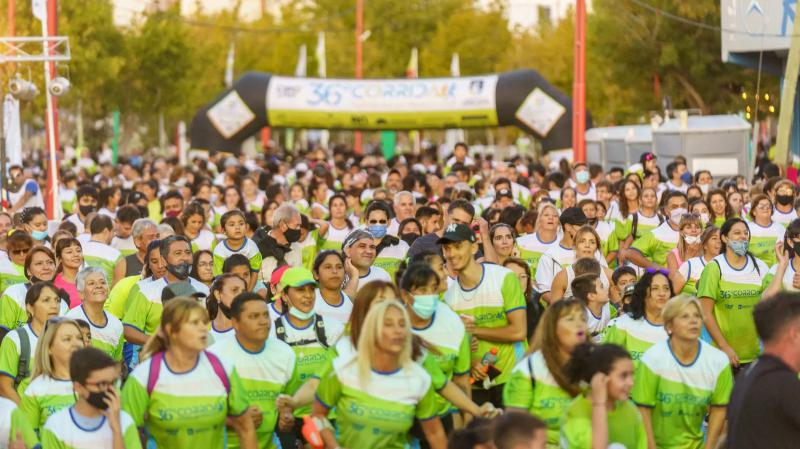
{"type": "Point", "coordinates": [20, 251]}
{"type": "Point", "coordinates": [378, 221]}
{"type": "Point", "coordinates": [658, 271]}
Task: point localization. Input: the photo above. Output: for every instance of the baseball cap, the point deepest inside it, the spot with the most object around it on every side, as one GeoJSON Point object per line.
{"type": "Point", "coordinates": [275, 278]}
{"type": "Point", "coordinates": [457, 232]}
{"type": "Point", "coordinates": [355, 236]}
{"type": "Point", "coordinates": [504, 193]}
{"type": "Point", "coordinates": [573, 216]}
{"type": "Point", "coordinates": [296, 277]}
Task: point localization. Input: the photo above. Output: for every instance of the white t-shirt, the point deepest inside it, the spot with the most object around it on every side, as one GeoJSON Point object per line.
{"type": "Point", "coordinates": [374, 274]}
{"type": "Point", "coordinates": [554, 260]}
{"type": "Point", "coordinates": [62, 430]}
{"type": "Point", "coordinates": [339, 312]}
{"type": "Point", "coordinates": [596, 324]}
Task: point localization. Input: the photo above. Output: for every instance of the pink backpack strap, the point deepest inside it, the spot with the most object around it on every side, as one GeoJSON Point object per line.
{"type": "Point", "coordinates": [155, 370]}
{"type": "Point", "coordinates": [219, 370]}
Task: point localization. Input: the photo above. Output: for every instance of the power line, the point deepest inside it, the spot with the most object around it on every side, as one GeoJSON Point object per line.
{"type": "Point", "coordinates": [703, 25]}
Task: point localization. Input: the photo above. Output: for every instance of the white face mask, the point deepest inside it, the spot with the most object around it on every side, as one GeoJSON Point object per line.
{"type": "Point", "coordinates": [675, 215]}
{"type": "Point", "coordinates": [691, 239]}
{"type": "Point", "coordinates": [704, 188]}
{"type": "Point", "coordinates": [704, 218]}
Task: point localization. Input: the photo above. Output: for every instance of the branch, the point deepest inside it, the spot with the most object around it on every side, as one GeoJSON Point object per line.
{"type": "Point", "coordinates": [694, 95]}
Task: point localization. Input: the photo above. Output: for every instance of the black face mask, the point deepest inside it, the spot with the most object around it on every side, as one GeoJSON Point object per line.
{"type": "Point", "coordinates": [86, 210]}
{"type": "Point", "coordinates": [181, 270]}
{"type": "Point", "coordinates": [97, 400]}
{"type": "Point", "coordinates": [292, 235]}
{"type": "Point", "coordinates": [409, 238]}
{"type": "Point", "coordinates": [784, 200]}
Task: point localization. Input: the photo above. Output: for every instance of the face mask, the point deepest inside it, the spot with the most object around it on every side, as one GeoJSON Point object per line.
{"type": "Point", "coordinates": [739, 247]}
{"type": "Point", "coordinates": [39, 235]}
{"type": "Point", "coordinates": [676, 214]}
{"type": "Point", "coordinates": [784, 200]}
{"type": "Point", "coordinates": [377, 231]}
{"type": "Point", "coordinates": [292, 235]}
{"type": "Point", "coordinates": [704, 218]}
{"type": "Point", "coordinates": [97, 400]}
{"type": "Point", "coordinates": [181, 270]}
{"type": "Point", "coordinates": [582, 177]}
{"type": "Point", "coordinates": [704, 188]}
{"type": "Point", "coordinates": [300, 315]}
{"type": "Point", "coordinates": [172, 213]}
{"type": "Point", "coordinates": [86, 210]}
{"type": "Point", "coordinates": [686, 178]}
{"type": "Point", "coordinates": [213, 198]}
{"type": "Point", "coordinates": [691, 239]}
{"type": "Point", "coordinates": [425, 305]}
{"type": "Point", "coordinates": [409, 238]}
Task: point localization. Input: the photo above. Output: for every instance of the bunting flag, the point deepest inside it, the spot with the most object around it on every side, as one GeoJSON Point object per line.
{"type": "Point", "coordinates": [301, 70]}
{"type": "Point", "coordinates": [229, 64]}
{"type": "Point", "coordinates": [13, 134]}
{"type": "Point", "coordinates": [412, 71]}
{"type": "Point", "coordinates": [322, 65]}
{"type": "Point", "coordinates": [455, 66]}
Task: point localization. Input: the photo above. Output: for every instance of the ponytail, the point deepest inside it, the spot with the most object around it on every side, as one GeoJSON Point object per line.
{"type": "Point", "coordinates": [589, 359]}
{"type": "Point", "coordinates": [177, 312]}
{"type": "Point", "coordinates": [158, 342]}
{"type": "Point", "coordinates": [212, 301]}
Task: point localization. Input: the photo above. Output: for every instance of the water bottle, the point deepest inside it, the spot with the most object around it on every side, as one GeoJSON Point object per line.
{"type": "Point", "coordinates": [489, 358]}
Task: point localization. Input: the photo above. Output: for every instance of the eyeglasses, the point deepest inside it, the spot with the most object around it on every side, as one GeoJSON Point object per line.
{"type": "Point", "coordinates": [658, 271]}
{"type": "Point", "coordinates": [20, 251]}
{"type": "Point", "coordinates": [55, 320]}
{"type": "Point", "coordinates": [378, 221]}
{"type": "Point", "coordinates": [764, 206]}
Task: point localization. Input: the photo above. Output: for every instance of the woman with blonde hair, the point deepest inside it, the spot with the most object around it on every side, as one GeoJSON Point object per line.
{"type": "Point", "coordinates": [546, 234]}
{"type": "Point", "coordinates": [689, 229]}
{"type": "Point", "coordinates": [683, 366]}
{"type": "Point", "coordinates": [382, 380]}
{"type": "Point", "coordinates": [50, 389]}
{"type": "Point", "coordinates": [182, 394]}
{"type": "Point", "coordinates": [586, 245]}
{"type": "Point", "coordinates": [538, 384]}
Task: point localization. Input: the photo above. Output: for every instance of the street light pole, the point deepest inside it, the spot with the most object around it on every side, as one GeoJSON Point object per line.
{"type": "Point", "coordinates": [49, 25]}
{"type": "Point", "coordinates": [359, 61]}
{"type": "Point", "coordinates": [579, 85]}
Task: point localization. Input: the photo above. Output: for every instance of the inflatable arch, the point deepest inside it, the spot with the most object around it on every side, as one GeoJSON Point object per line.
{"type": "Point", "coordinates": [522, 98]}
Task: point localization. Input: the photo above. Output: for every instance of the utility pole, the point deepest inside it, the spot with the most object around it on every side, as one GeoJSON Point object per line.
{"type": "Point", "coordinates": [358, 146]}
{"type": "Point", "coordinates": [579, 85]}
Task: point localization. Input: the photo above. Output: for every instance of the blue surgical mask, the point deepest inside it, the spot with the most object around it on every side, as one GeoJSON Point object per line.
{"type": "Point", "coordinates": [39, 235]}
{"type": "Point", "coordinates": [377, 231]}
{"type": "Point", "coordinates": [300, 315]}
{"type": "Point", "coordinates": [739, 246]}
{"type": "Point", "coordinates": [686, 177]}
{"type": "Point", "coordinates": [582, 177]}
{"type": "Point", "coordinates": [425, 305]}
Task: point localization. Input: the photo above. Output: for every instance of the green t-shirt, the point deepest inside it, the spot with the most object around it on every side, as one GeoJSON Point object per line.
{"type": "Point", "coordinates": [625, 426]}
{"type": "Point", "coordinates": [10, 350]}
{"type": "Point", "coordinates": [451, 342]}
{"type": "Point", "coordinates": [334, 238]}
{"type": "Point", "coordinates": [542, 397]}
{"type": "Point", "coordinates": [249, 249]}
{"type": "Point", "coordinates": [735, 293]}
{"type": "Point", "coordinates": [762, 241]}
{"type": "Point", "coordinates": [636, 336]}
{"type": "Point", "coordinates": [144, 307]}
{"type": "Point", "coordinates": [11, 274]}
{"type": "Point", "coordinates": [264, 374]}
{"type": "Point", "coordinates": [787, 283]}
{"type": "Point", "coordinates": [108, 338]}
{"type": "Point", "coordinates": [490, 302]}
{"type": "Point", "coordinates": [12, 306]}
{"type": "Point", "coordinates": [311, 356]}
{"type": "Point", "coordinates": [44, 397]}
{"type": "Point", "coordinates": [390, 257]}
{"type": "Point", "coordinates": [12, 421]}
{"type": "Point", "coordinates": [100, 255]}
{"type": "Point", "coordinates": [62, 431]}
{"type": "Point", "coordinates": [185, 410]}
{"type": "Point", "coordinates": [118, 297]}
{"type": "Point", "coordinates": [691, 270]}
{"type": "Point", "coordinates": [531, 248]}
{"type": "Point", "coordinates": [378, 412]}
{"type": "Point", "coordinates": [680, 395]}
{"type": "Point", "coordinates": [655, 245]}
{"type": "Point", "coordinates": [644, 224]}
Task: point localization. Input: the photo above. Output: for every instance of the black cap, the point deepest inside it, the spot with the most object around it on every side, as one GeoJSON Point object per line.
{"type": "Point", "coordinates": [457, 233]}
{"type": "Point", "coordinates": [573, 216]}
{"type": "Point", "coordinates": [504, 193]}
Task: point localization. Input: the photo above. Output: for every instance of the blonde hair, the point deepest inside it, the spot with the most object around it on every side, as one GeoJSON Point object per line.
{"type": "Point", "coordinates": [371, 336]}
{"type": "Point", "coordinates": [541, 208]}
{"type": "Point", "coordinates": [42, 361]}
{"type": "Point", "coordinates": [675, 306]}
{"type": "Point", "coordinates": [686, 220]}
{"type": "Point", "coordinates": [177, 312]}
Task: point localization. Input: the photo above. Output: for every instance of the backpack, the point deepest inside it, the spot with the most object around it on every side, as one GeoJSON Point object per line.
{"type": "Point", "coordinates": [635, 225]}
{"type": "Point", "coordinates": [158, 359]}
{"type": "Point", "coordinates": [23, 366]}
{"type": "Point", "coordinates": [319, 329]}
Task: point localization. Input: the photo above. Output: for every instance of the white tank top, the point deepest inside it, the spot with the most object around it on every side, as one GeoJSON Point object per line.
{"type": "Point", "coordinates": [571, 275]}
